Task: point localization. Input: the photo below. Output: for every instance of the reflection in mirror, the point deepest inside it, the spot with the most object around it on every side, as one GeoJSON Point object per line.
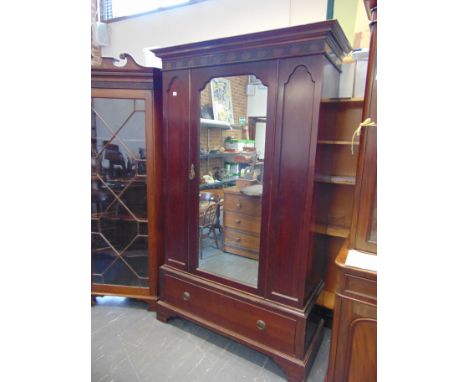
{"type": "Point", "coordinates": [232, 153]}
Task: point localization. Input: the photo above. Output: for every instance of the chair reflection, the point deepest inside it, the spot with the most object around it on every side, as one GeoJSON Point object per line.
{"type": "Point", "coordinates": [209, 218]}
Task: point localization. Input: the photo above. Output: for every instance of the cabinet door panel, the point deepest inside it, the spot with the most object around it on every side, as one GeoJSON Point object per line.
{"type": "Point", "coordinates": [296, 136]}
{"type": "Point", "coordinates": [363, 347]}
{"type": "Point", "coordinates": [176, 135]}
{"type": "Point", "coordinates": [356, 348]}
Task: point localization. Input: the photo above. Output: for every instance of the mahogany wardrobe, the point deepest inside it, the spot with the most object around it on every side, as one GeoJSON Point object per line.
{"type": "Point", "coordinates": [239, 134]}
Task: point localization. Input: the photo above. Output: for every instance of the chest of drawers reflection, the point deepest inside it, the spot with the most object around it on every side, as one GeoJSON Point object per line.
{"type": "Point", "coordinates": [242, 216]}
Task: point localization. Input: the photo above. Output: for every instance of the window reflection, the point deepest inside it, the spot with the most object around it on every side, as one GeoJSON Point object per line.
{"type": "Point", "coordinates": [232, 153]}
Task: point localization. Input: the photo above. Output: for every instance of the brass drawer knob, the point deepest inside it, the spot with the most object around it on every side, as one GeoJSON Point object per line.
{"type": "Point", "coordinates": [238, 221]}
{"type": "Point", "coordinates": [238, 205]}
{"type": "Point", "coordinates": [261, 325]}
{"type": "Point", "coordinates": [238, 239]}
{"type": "Point", "coordinates": [186, 296]}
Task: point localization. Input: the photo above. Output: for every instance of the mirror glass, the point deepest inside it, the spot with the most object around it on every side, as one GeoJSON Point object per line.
{"type": "Point", "coordinates": [232, 153]}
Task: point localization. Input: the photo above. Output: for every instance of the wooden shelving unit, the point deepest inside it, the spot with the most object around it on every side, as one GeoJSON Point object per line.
{"type": "Point", "coordinates": [335, 179]}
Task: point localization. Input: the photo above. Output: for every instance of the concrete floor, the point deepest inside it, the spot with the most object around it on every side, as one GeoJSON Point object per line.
{"type": "Point", "coordinates": [129, 344]}
{"type": "Point", "coordinates": [237, 268]}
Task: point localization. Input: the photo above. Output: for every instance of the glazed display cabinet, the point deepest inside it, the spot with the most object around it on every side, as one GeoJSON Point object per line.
{"type": "Point", "coordinates": [125, 190]}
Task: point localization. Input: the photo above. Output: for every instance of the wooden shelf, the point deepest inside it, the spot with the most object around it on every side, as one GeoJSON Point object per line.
{"type": "Point", "coordinates": [326, 299]}
{"type": "Point", "coordinates": [326, 142]}
{"type": "Point", "coordinates": [331, 230]}
{"type": "Point", "coordinates": [342, 100]}
{"type": "Point", "coordinates": [336, 179]}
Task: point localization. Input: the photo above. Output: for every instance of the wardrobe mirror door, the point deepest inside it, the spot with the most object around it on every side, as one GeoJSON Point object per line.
{"type": "Point", "coordinates": [232, 145]}
{"type": "Point", "coordinates": [119, 225]}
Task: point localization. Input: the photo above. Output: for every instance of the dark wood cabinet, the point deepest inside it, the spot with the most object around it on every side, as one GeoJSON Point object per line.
{"type": "Point", "coordinates": [126, 180]}
{"type": "Point", "coordinates": [263, 302]}
{"type": "Point", "coordinates": [353, 352]}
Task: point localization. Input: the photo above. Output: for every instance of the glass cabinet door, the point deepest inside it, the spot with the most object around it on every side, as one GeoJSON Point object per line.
{"type": "Point", "coordinates": [366, 226]}
{"type": "Point", "coordinates": [231, 162]}
{"type": "Point", "coordinates": [119, 219]}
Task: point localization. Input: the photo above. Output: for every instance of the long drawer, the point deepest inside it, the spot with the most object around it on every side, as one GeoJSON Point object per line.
{"type": "Point", "coordinates": [242, 222]}
{"type": "Point", "coordinates": [232, 314]}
